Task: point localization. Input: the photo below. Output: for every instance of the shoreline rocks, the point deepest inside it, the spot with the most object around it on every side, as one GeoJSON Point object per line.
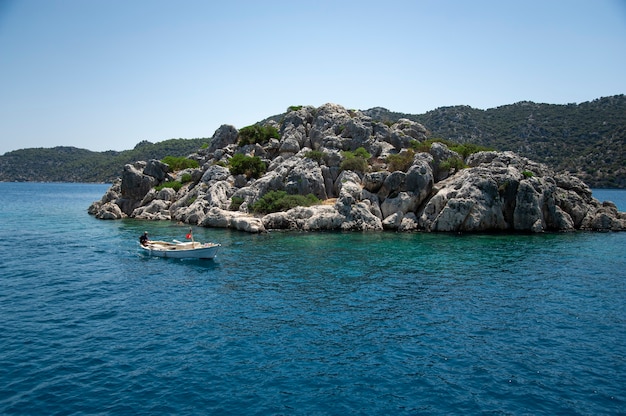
{"type": "Point", "coordinates": [495, 192]}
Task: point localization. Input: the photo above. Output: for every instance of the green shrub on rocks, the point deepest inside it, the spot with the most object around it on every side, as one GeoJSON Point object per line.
{"type": "Point", "coordinates": [361, 152]}
{"type": "Point", "coordinates": [257, 134]}
{"type": "Point", "coordinates": [275, 201]}
{"type": "Point", "coordinates": [355, 161]}
{"type": "Point", "coordinates": [175, 185]}
{"type": "Point", "coordinates": [235, 203]}
{"type": "Point", "coordinates": [464, 149]}
{"type": "Point", "coordinates": [251, 166]}
{"type": "Point", "coordinates": [452, 163]}
{"type": "Point", "coordinates": [316, 155]}
{"type": "Point", "coordinates": [401, 161]}
{"type": "Point", "coordinates": [355, 164]}
{"type": "Point", "coordinates": [180, 163]}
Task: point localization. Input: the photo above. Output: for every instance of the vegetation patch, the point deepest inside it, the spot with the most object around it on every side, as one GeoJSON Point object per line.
{"type": "Point", "coordinates": [421, 147]}
{"type": "Point", "coordinates": [235, 203]}
{"type": "Point", "coordinates": [250, 166]}
{"type": "Point", "coordinates": [257, 134]}
{"type": "Point", "coordinates": [180, 163]}
{"type": "Point", "coordinates": [452, 163]}
{"type": "Point", "coordinates": [355, 161]}
{"type": "Point", "coordinates": [464, 149]}
{"type": "Point", "coordinates": [316, 155]}
{"type": "Point", "coordinates": [361, 152]}
{"type": "Point", "coordinates": [175, 185]}
{"type": "Point", "coordinates": [275, 201]}
{"type": "Point", "coordinates": [355, 164]}
{"type": "Point", "coordinates": [401, 161]}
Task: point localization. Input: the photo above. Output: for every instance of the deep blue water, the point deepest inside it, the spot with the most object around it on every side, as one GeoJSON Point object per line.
{"type": "Point", "coordinates": [303, 323]}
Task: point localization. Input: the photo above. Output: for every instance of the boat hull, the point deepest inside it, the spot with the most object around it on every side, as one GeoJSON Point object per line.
{"type": "Point", "coordinates": [181, 250]}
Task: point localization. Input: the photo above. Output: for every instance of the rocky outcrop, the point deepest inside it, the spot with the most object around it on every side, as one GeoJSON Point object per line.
{"type": "Point", "coordinates": [107, 208]}
{"type": "Point", "coordinates": [492, 191]}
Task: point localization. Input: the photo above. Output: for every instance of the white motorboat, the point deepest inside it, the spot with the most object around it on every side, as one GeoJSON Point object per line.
{"type": "Point", "coordinates": [181, 250]}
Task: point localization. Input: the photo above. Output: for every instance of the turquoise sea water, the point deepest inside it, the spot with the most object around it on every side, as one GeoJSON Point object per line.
{"type": "Point", "coordinates": [303, 323]}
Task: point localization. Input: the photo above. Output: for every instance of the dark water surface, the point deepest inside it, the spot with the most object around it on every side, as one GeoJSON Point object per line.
{"type": "Point", "coordinates": [303, 323]}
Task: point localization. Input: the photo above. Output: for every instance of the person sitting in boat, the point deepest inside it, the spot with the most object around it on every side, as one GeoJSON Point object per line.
{"type": "Point", "coordinates": [143, 240]}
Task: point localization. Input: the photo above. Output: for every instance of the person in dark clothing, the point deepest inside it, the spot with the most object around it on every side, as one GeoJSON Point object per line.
{"type": "Point", "coordinates": [143, 240]}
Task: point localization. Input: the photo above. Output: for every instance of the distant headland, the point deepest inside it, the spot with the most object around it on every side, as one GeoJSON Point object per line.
{"type": "Point", "coordinates": [331, 168]}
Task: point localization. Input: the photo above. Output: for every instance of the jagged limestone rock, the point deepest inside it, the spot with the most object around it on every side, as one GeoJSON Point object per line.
{"type": "Point", "coordinates": [157, 169]}
{"type": "Point", "coordinates": [135, 186]}
{"type": "Point", "coordinates": [215, 173]}
{"type": "Point", "coordinates": [402, 203]}
{"type": "Point", "coordinates": [225, 135]}
{"type": "Point", "coordinates": [605, 217]}
{"type": "Point", "coordinates": [220, 218]}
{"type": "Point", "coordinates": [109, 211]}
{"type": "Point", "coordinates": [499, 191]}
{"type": "Point", "coordinates": [156, 210]}
{"type": "Point", "coordinates": [305, 177]}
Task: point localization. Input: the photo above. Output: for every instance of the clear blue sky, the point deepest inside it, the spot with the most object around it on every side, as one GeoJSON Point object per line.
{"type": "Point", "coordinates": [106, 74]}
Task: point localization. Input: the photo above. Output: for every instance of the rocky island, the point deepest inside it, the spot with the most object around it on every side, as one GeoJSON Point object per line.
{"type": "Point", "coordinates": [358, 174]}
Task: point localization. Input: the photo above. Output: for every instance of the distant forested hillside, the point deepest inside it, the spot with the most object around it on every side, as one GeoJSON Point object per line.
{"type": "Point", "coordinates": [70, 164]}
{"type": "Point", "coordinates": [587, 139]}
